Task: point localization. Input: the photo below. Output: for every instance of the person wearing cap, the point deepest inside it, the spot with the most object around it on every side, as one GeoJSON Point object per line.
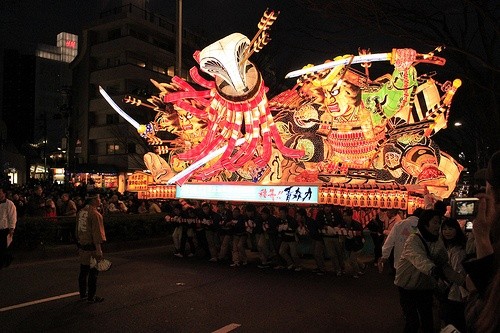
{"type": "Point", "coordinates": [483, 279]}
{"type": "Point", "coordinates": [8, 220]}
{"type": "Point", "coordinates": [90, 235]}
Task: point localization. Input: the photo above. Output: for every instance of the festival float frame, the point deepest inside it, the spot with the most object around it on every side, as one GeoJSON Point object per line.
{"type": "Point", "coordinates": [337, 137]}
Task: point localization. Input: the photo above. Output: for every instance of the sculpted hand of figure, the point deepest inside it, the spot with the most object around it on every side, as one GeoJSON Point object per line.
{"type": "Point", "coordinates": [159, 168]}
{"type": "Point", "coordinates": [403, 58]}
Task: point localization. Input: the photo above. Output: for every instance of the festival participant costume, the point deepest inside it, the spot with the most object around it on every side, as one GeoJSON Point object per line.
{"type": "Point", "coordinates": [288, 248]}
{"type": "Point", "coordinates": [89, 233]}
{"type": "Point", "coordinates": [354, 243]}
{"type": "Point", "coordinates": [333, 242]}
{"type": "Point", "coordinates": [225, 231]}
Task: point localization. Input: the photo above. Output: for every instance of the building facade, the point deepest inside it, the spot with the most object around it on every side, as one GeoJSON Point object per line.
{"type": "Point", "coordinates": [53, 82]}
{"type": "Point", "coordinates": [120, 52]}
{"type": "Point", "coordinates": [17, 111]}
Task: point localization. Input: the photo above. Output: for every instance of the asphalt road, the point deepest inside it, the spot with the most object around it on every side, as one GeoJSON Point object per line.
{"type": "Point", "coordinates": [149, 290]}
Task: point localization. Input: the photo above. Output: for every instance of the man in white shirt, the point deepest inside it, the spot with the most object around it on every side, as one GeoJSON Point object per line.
{"type": "Point", "coordinates": [8, 220]}
{"type": "Point", "coordinates": [397, 238]}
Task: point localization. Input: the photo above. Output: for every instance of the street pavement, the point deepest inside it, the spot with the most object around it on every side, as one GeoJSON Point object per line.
{"type": "Point", "coordinates": [150, 290]}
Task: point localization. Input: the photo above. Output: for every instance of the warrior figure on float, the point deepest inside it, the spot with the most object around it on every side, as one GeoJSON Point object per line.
{"type": "Point", "coordinates": [335, 125]}
{"type": "Point", "coordinates": [356, 130]}
{"type": "Point", "coordinates": [234, 107]}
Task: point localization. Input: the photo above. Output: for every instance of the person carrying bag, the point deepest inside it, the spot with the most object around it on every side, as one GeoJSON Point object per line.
{"type": "Point", "coordinates": [423, 262]}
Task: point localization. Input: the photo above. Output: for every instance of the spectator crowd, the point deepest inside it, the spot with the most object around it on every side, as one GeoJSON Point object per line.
{"type": "Point", "coordinates": [435, 264]}
{"type": "Point", "coordinates": [55, 200]}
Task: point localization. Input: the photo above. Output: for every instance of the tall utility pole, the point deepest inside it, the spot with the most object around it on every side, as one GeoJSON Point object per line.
{"type": "Point", "coordinates": [65, 110]}
{"type": "Point", "coordinates": [44, 141]}
{"type": "Point", "coordinates": [178, 49]}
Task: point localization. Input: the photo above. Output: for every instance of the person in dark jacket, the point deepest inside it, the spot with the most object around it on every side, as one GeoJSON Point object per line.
{"type": "Point", "coordinates": [376, 227]}
{"type": "Point", "coordinates": [253, 225]}
{"type": "Point", "coordinates": [354, 243]}
{"type": "Point", "coordinates": [315, 227]}
{"type": "Point", "coordinates": [240, 237]}
{"type": "Point", "coordinates": [330, 221]}
{"type": "Point", "coordinates": [282, 217]}
{"type": "Point", "coordinates": [208, 233]}
{"type": "Point", "coordinates": [268, 223]}
{"type": "Point", "coordinates": [452, 300]}
{"type": "Point", "coordinates": [288, 249]}
{"type": "Point", "coordinates": [225, 229]}
{"type": "Point", "coordinates": [36, 202]}
{"type": "Point", "coordinates": [272, 234]}
{"type": "Point", "coordinates": [183, 223]}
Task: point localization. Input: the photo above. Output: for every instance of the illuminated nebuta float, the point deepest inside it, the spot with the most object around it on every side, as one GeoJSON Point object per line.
{"type": "Point", "coordinates": [336, 128]}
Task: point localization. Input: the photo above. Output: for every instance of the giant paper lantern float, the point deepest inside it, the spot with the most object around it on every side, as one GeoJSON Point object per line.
{"type": "Point", "coordinates": [356, 141]}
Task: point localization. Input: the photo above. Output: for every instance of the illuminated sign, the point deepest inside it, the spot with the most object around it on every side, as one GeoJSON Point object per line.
{"type": "Point", "coordinates": [139, 181]}
{"type": "Point", "coordinates": [255, 193]}
{"type": "Point", "coordinates": [71, 44]}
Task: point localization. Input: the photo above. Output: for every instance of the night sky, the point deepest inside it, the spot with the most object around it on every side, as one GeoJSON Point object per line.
{"type": "Point", "coordinates": [311, 31]}
{"type": "Point", "coordinates": [298, 31]}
